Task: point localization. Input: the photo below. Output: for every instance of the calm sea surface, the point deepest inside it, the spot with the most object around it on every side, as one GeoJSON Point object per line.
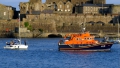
{"type": "Point", "coordinates": [43, 53]}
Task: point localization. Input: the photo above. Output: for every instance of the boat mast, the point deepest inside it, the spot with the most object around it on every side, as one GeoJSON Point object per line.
{"type": "Point", "coordinates": [118, 28]}
{"type": "Point", "coordinates": [19, 29]}
{"type": "Point", "coordinates": [83, 29]}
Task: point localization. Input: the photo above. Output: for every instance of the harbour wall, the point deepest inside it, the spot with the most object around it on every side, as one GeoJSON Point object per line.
{"type": "Point", "coordinates": [54, 24]}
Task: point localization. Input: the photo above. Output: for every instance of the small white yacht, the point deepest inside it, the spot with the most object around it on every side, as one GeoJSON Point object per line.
{"type": "Point", "coordinates": [117, 41]}
{"type": "Point", "coordinates": [16, 44]}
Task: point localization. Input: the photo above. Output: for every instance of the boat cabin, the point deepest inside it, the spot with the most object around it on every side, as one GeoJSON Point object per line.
{"type": "Point", "coordinates": [83, 38]}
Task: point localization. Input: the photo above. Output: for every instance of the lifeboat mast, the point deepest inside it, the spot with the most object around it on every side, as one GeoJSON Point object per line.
{"type": "Point", "coordinates": [83, 27]}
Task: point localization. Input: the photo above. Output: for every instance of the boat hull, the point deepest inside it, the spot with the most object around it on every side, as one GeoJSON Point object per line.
{"type": "Point", "coordinates": [87, 47]}
{"type": "Point", "coordinates": [20, 47]}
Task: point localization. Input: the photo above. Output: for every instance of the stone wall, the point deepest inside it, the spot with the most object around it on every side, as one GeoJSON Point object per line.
{"type": "Point", "coordinates": [69, 22]}
{"type": "Point", "coordinates": [10, 25]}
{"type": "Point", "coordinates": [115, 9]}
{"type": "Point", "coordinates": [55, 23]}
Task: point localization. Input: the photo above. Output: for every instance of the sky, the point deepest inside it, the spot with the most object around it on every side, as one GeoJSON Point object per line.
{"type": "Point", "coordinates": [15, 3]}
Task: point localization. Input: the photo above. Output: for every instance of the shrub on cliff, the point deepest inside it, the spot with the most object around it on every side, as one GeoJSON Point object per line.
{"type": "Point", "coordinates": [41, 30]}
{"type": "Point", "coordinates": [26, 24]}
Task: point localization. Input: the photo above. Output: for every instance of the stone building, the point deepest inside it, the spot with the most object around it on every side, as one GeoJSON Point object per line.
{"type": "Point", "coordinates": [99, 1]}
{"type": "Point", "coordinates": [6, 12]}
{"type": "Point", "coordinates": [60, 6]}
{"type": "Point", "coordinates": [30, 6]}
{"type": "Point", "coordinates": [115, 9]}
{"type": "Point", "coordinates": [88, 9]}
{"type": "Point", "coordinates": [68, 7]}
{"type": "Point", "coordinates": [93, 8]}
{"type": "Point", "coordinates": [74, 2]}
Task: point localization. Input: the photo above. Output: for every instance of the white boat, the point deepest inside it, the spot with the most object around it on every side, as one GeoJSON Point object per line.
{"type": "Point", "coordinates": [117, 41]}
{"type": "Point", "coordinates": [18, 46]}
{"type": "Point", "coordinates": [16, 43]}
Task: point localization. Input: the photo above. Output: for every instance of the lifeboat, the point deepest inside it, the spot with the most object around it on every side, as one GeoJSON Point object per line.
{"type": "Point", "coordinates": [83, 42]}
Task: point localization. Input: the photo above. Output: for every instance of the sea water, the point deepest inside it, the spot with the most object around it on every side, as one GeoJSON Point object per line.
{"type": "Point", "coordinates": [43, 53]}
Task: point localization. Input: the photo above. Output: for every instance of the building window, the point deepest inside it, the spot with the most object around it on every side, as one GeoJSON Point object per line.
{"type": "Point", "coordinates": [67, 6]}
{"type": "Point", "coordinates": [68, 9]}
{"type": "Point", "coordinates": [65, 10]}
{"type": "Point", "coordinates": [60, 6]}
{"type": "Point", "coordinates": [4, 13]}
{"type": "Point", "coordinates": [58, 9]}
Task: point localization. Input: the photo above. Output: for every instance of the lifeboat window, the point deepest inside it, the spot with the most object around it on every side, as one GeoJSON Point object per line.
{"type": "Point", "coordinates": [78, 38]}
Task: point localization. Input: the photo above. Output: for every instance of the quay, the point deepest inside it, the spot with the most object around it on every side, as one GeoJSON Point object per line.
{"type": "Point", "coordinates": [54, 35]}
